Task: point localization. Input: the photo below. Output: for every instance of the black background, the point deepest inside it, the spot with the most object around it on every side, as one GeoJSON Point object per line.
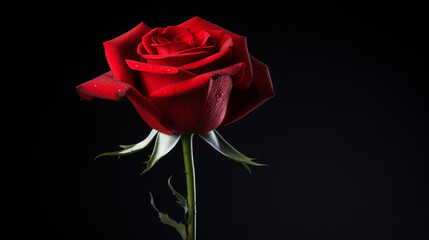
{"type": "Point", "coordinates": [345, 136]}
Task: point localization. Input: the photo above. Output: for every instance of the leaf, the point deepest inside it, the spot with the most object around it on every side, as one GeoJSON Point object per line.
{"type": "Point", "coordinates": [181, 199]}
{"type": "Point", "coordinates": [217, 142]}
{"type": "Point", "coordinates": [180, 227]}
{"type": "Point", "coordinates": [164, 144]}
{"type": "Point", "coordinates": [129, 149]}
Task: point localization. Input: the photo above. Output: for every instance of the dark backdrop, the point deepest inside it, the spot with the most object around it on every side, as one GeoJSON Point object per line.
{"type": "Point", "coordinates": [345, 135]}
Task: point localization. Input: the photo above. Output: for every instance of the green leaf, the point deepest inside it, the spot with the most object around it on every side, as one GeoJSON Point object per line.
{"type": "Point", "coordinates": [180, 227]}
{"type": "Point", "coordinates": [129, 149]}
{"type": "Point", "coordinates": [164, 144]}
{"type": "Point", "coordinates": [181, 199]}
{"type": "Point", "coordinates": [217, 142]}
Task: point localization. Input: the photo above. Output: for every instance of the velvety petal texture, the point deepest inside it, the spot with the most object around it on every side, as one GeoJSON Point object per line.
{"type": "Point", "coordinates": [154, 77]}
{"type": "Point", "coordinates": [121, 48]}
{"type": "Point", "coordinates": [243, 102]}
{"type": "Point", "coordinates": [195, 83]}
{"type": "Point", "coordinates": [106, 87]}
{"type": "Point", "coordinates": [188, 78]}
{"type": "Point", "coordinates": [239, 52]}
{"type": "Point", "coordinates": [198, 111]}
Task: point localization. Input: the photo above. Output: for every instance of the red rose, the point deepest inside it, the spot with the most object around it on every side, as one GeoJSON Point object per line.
{"type": "Point", "coordinates": [188, 78]}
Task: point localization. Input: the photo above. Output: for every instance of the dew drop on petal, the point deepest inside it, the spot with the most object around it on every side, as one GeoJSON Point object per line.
{"type": "Point", "coordinates": [220, 94]}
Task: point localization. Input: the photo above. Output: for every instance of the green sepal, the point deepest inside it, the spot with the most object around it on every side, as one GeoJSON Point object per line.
{"type": "Point", "coordinates": [181, 199]}
{"type": "Point", "coordinates": [221, 145]}
{"type": "Point", "coordinates": [164, 144]}
{"type": "Point", "coordinates": [129, 149]}
{"type": "Point", "coordinates": [180, 227]}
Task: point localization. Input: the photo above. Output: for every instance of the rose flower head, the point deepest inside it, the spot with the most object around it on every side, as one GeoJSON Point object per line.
{"type": "Point", "coordinates": [189, 78]}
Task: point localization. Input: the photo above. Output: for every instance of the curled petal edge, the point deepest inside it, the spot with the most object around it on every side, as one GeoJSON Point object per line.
{"type": "Point", "coordinates": [244, 102]}
{"type": "Point", "coordinates": [106, 87]}
{"type": "Point", "coordinates": [193, 84]}
{"type": "Point", "coordinates": [240, 52]}
{"type": "Point", "coordinates": [122, 47]}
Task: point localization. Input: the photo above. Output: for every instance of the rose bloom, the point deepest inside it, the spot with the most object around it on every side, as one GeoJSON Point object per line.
{"type": "Point", "coordinates": [185, 79]}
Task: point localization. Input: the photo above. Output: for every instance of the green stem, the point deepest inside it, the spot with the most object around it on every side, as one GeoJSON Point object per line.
{"type": "Point", "coordinates": [190, 185]}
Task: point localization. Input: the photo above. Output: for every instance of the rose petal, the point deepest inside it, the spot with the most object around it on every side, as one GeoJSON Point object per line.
{"type": "Point", "coordinates": [149, 112]}
{"type": "Point", "coordinates": [194, 84]}
{"type": "Point", "coordinates": [239, 52]}
{"type": "Point", "coordinates": [154, 77]}
{"type": "Point", "coordinates": [147, 41]}
{"type": "Point", "coordinates": [141, 50]}
{"type": "Point", "coordinates": [223, 39]}
{"type": "Point", "coordinates": [200, 111]}
{"type": "Point", "coordinates": [171, 48]}
{"type": "Point", "coordinates": [106, 87]}
{"type": "Point", "coordinates": [173, 39]}
{"type": "Point", "coordinates": [103, 86]}
{"type": "Point", "coordinates": [215, 61]}
{"type": "Point", "coordinates": [158, 69]}
{"type": "Point", "coordinates": [209, 49]}
{"type": "Point", "coordinates": [177, 34]}
{"type": "Point", "coordinates": [216, 103]}
{"type": "Point", "coordinates": [124, 47]}
{"type": "Point", "coordinates": [243, 102]}
{"type": "Point", "coordinates": [203, 38]}
{"type": "Point", "coordinates": [175, 60]}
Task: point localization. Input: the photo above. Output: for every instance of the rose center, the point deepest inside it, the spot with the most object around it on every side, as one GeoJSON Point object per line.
{"type": "Point", "coordinates": [173, 39]}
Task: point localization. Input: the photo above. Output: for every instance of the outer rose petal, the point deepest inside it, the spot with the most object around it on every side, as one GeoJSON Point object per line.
{"type": "Point", "coordinates": [200, 111]}
{"type": "Point", "coordinates": [154, 77]}
{"type": "Point", "coordinates": [239, 51]}
{"type": "Point", "coordinates": [194, 84]}
{"type": "Point", "coordinates": [175, 60]}
{"type": "Point", "coordinates": [243, 102]}
{"type": "Point", "coordinates": [124, 47]}
{"type": "Point", "coordinates": [106, 87]}
{"type": "Point", "coordinates": [103, 86]}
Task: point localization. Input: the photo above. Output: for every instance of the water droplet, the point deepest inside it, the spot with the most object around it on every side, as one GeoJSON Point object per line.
{"type": "Point", "coordinates": [220, 94]}
{"type": "Point", "coordinates": [95, 85]}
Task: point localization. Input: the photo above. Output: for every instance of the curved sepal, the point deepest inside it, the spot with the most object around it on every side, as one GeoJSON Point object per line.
{"type": "Point", "coordinates": [129, 149]}
{"type": "Point", "coordinates": [217, 142]}
{"type": "Point", "coordinates": [164, 144]}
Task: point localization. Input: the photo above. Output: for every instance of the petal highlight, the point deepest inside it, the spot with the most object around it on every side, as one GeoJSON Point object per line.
{"type": "Point", "coordinates": [124, 47]}
{"type": "Point", "coordinates": [193, 84]}
{"type": "Point", "coordinates": [175, 60]}
{"type": "Point", "coordinates": [239, 51]}
{"type": "Point", "coordinates": [103, 86]}
{"type": "Point", "coordinates": [199, 111]}
{"type": "Point", "coordinates": [155, 77]}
